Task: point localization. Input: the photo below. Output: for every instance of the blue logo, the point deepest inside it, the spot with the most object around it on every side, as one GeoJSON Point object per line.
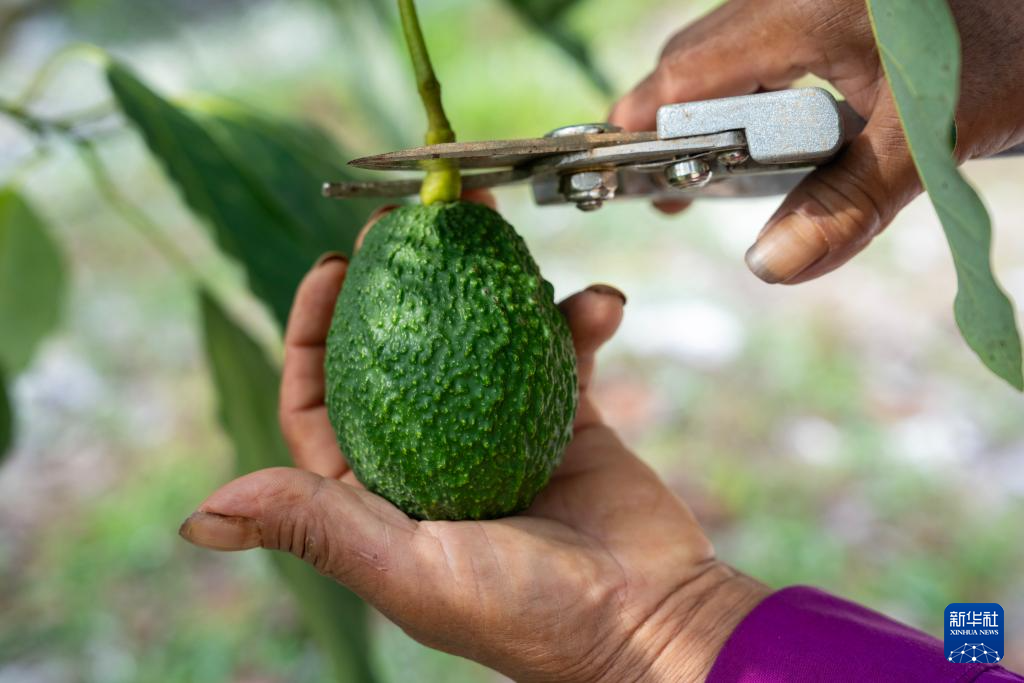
{"type": "Point", "coordinates": [974, 632]}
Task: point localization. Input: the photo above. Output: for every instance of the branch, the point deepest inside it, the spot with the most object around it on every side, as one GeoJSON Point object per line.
{"type": "Point", "coordinates": [443, 183]}
{"type": "Point", "coordinates": [53, 64]}
{"type": "Point", "coordinates": [131, 213]}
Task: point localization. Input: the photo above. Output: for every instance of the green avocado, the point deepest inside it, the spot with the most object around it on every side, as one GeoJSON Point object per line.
{"type": "Point", "coordinates": [451, 375]}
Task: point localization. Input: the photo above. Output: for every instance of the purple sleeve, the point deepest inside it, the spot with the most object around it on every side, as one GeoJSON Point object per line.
{"type": "Point", "coordinates": [803, 634]}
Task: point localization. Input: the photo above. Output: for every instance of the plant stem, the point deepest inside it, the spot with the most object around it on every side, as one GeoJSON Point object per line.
{"type": "Point", "coordinates": [134, 216]}
{"type": "Point", "coordinates": [438, 130]}
{"type": "Point", "coordinates": [34, 125]}
{"type": "Point", "coordinates": [66, 125]}
{"type": "Point", "coordinates": [442, 183]}
{"type": "Point", "coordinates": [55, 63]}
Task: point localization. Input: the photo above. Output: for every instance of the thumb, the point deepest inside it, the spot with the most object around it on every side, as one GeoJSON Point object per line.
{"type": "Point", "coordinates": [345, 532]}
{"type": "Point", "coordinates": [836, 211]}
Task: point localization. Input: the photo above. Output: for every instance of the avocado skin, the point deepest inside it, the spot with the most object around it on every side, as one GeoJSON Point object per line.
{"type": "Point", "coordinates": [451, 374]}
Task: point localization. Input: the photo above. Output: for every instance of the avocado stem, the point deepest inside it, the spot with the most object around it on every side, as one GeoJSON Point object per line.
{"type": "Point", "coordinates": [442, 182]}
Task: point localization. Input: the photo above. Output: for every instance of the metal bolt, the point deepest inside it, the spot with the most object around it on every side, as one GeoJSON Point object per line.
{"type": "Point", "coordinates": [734, 157]}
{"type": "Point", "coordinates": [583, 129]}
{"type": "Point", "coordinates": [689, 174]}
{"type": "Point", "coordinates": [588, 190]}
{"type": "Point", "coordinates": [588, 205]}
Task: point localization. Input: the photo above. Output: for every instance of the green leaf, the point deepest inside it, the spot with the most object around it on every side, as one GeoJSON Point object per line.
{"type": "Point", "coordinates": [32, 282]}
{"type": "Point", "coordinates": [920, 51]}
{"type": "Point", "coordinates": [545, 16]}
{"type": "Point", "coordinates": [6, 418]}
{"type": "Point", "coordinates": [247, 385]}
{"type": "Point", "coordinates": [291, 161]}
{"type": "Point", "coordinates": [256, 182]}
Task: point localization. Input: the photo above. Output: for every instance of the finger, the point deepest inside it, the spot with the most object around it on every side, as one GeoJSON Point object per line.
{"type": "Point", "coordinates": [837, 210]}
{"type": "Point", "coordinates": [302, 413]}
{"type": "Point", "coordinates": [374, 218]}
{"type": "Point", "coordinates": [593, 316]}
{"type": "Point", "coordinates": [480, 196]}
{"type": "Point", "coordinates": [349, 534]}
{"type": "Point", "coordinates": [587, 415]}
{"type": "Point", "coordinates": [672, 206]}
{"type": "Point", "coordinates": [737, 49]}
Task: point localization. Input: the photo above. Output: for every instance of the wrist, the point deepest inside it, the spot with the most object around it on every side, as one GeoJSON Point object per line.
{"type": "Point", "coordinates": [682, 639]}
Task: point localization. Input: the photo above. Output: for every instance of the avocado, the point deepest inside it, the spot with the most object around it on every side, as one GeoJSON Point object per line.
{"type": "Point", "coordinates": [451, 375]}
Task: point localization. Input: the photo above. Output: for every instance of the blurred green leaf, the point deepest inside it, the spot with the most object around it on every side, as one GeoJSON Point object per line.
{"type": "Point", "coordinates": [256, 181]}
{"type": "Point", "coordinates": [920, 50]}
{"type": "Point", "coordinates": [247, 385]}
{"type": "Point", "coordinates": [6, 418]}
{"type": "Point", "coordinates": [32, 282]}
{"type": "Point", "coordinates": [546, 16]}
{"type": "Point", "coordinates": [383, 9]}
{"type": "Point", "coordinates": [291, 161]}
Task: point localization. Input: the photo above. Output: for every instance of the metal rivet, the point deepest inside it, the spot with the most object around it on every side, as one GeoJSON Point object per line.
{"type": "Point", "coordinates": [588, 190]}
{"type": "Point", "coordinates": [588, 205]}
{"type": "Point", "coordinates": [734, 157]}
{"type": "Point", "coordinates": [689, 174]}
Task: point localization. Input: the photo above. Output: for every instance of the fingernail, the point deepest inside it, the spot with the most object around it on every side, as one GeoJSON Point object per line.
{"type": "Point", "coordinates": [330, 256]}
{"type": "Point", "coordinates": [671, 206]}
{"type": "Point", "coordinates": [607, 290]}
{"type": "Point", "coordinates": [382, 211]}
{"type": "Point", "coordinates": [221, 532]}
{"type": "Point", "coordinates": [786, 249]}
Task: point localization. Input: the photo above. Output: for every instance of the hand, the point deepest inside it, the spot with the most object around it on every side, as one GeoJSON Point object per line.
{"type": "Point", "coordinates": [606, 577]}
{"type": "Point", "coordinates": [750, 45]}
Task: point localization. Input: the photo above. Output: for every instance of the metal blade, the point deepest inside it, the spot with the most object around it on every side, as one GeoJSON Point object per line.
{"type": "Point", "coordinates": [410, 186]}
{"type": "Point", "coordinates": [496, 153]}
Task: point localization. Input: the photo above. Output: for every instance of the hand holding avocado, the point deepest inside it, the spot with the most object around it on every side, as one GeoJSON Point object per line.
{"type": "Point", "coordinates": [606, 576]}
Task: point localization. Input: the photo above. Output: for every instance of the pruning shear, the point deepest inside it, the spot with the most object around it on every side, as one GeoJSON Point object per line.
{"type": "Point", "coordinates": [748, 146]}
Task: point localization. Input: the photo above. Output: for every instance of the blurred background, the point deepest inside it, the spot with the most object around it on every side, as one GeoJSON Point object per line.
{"type": "Point", "coordinates": [839, 433]}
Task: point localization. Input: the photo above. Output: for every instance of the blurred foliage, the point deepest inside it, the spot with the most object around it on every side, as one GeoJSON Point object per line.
{"type": "Point", "coordinates": [920, 50]}
{"type": "Point", "coordinates": [399, 659]}
{"type": "Point", "coordinates": [111, 595]}
{"type": "Point", "coordinates": [29, 262]}
{"type": "Point", "coordinates": [256, 183]}
{"type": "Point", "coordinates": [146, 19]}
{"type": "Point", "coordinates": [247, 387]}
{"type": "Point", "coordinates": [6, 417]}
{"type": "Point", "coordinates": [546, 16]}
